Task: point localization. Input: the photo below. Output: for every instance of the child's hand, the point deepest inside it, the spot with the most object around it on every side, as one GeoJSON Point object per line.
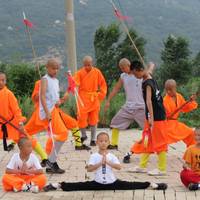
{"type": "Point", "coordinates": [104, 160]}
{"type": "Point", "coordinates": [151, 120]}
{"type": "Point", "coordinates": [58, 103]}
{"type": "Point", "coordinates": [193, 97]}
{"type": "Point", "coordinates": [24, 168]}
{"type": "Point", "coordinates": [48, 116]}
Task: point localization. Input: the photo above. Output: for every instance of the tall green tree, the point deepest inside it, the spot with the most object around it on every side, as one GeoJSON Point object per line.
{"type": "Point", "coordinates": [176, 62]}
{"type": "Point", "coordinates": [111, 44]}
{"type": "Point", "coordinates": [196, 65]}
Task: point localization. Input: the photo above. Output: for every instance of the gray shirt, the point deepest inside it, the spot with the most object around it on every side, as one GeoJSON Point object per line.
{"type": "Point", "coordinates": [133, 91]}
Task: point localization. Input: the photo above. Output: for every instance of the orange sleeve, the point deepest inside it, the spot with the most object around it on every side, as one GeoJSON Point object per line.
{"type": "Point", "coordinates": [102, 86]}
{"type": "Point", "coordinates": [77, 78]}
{"type": "Point", "coordinates": [35, 93]}
{"type": "Point", "coordinates": [16, 111]}
{"type": "Point", "coordinates": [188, 156]}
{"type": "Point", "coordinates": [167, 107]}
{"type": "Point", "coordinates": [189, 106]}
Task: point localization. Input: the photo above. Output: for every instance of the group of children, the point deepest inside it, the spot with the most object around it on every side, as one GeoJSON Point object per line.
{"type": "Point", "coordinates": [157, 117]}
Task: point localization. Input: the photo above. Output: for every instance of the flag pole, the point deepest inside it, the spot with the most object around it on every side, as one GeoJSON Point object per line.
{"type": "Point", "coordinates": [129, 36]}
{"type": "Point", "coordinates": [31, 44]}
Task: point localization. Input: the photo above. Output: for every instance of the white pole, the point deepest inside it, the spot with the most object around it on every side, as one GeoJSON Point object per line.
{"type": "Point", "coordinates": [70, 36]}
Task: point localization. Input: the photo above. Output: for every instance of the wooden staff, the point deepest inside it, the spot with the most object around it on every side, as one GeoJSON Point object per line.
{"type": "Point", "coordinates": [15, 127]}
{"type": "Point", "coordinates": [129, 36]}
{"type": "Point", "coordinates": [182, 106]}
{"type": "Point", "coordinates": [31, 44]}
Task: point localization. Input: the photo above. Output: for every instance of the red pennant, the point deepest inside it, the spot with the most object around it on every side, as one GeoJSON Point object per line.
{"type": "Point", "coordinates": [119, 15]}
{"type": "Point", "coordinates": [71, 84]}
{"type": "Point", "coordinates": [28, 23]}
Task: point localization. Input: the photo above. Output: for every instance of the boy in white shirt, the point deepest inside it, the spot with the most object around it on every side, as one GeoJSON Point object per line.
{"type": "Point", "coordinates": [102, 164]}
{"type": "Point", "coordinates": [24, 172]}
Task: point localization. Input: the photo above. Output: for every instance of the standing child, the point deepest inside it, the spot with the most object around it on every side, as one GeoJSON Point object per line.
{"type": "Point", "coordinates": [155, 137]}
{"type": "Point", "coordinates": [103, 163]}
{"type": "Point", "coordinates": [133, 109]}
{"type": "Point", "coordinates": [70, 122]}
{"type": "Point", "coordinates": [190, 175]}
{"type": "Point", "coordinates": [47, 116]}
{"type": "Point", "coordinates": [24, 172]}
{"type": "Point", "coordinates": [172, 101]}
{"type": "Point", "coordinates": [92, 90]}
{"type": "Point", "coordinates": [11, 113]}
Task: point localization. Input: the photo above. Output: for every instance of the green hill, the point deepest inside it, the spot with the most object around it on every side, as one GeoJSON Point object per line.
{"type": "Point", "coordinates": [153, 19]}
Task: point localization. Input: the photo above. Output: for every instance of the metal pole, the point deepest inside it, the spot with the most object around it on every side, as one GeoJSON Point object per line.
{"type": "Point", "coordinates": [70, 36]}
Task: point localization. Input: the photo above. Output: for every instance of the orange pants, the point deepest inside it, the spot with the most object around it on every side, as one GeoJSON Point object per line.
{"type": "Point", "coordinates": [11, 181]}
{"type": "Point", "coordinates": [69, 122]}
{"type": "Point", "coordinates": [36, 125]}
{"type": "Point", "coordinates": [178, 131]}
{"type": "Point", "coordinates": [157, 141]}
{"type": "Point", "coordinates": [91, 118]}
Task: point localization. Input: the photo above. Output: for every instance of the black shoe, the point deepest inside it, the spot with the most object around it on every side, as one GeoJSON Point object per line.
{"type": "Point", "coordinates": [44, 163]}
{"type": "Point", "coordinates": [49, 187]}
{"type": "Point", "coordinates": [127, 158]}
{"type": "Point", "coordinates": [161, 186]}
{"type": "Point", "coordinates": [83, 147]}
{"type": "Point", "coordinates": [83, 139]}
{"type": "Point", "coordinates": [92, 143]}
{"type": "Point", "coordinates": [112, 147]}
{"type": "Point", "coordinates": [11, 146]}
{"type": "Point", "coordinates": [193, 186]}
{"type": "Point", "coordinates": [55, 169]}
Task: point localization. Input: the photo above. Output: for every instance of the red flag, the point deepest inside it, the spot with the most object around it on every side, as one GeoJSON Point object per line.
{"type": "Point", "coordinates": [119, 15]}
{"type": "Point", "coordinates": [27, 22]}
{"type": "Point", "coordinates": [71, 84]}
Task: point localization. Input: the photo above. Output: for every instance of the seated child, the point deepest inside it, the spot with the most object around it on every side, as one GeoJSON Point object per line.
{"type": "Point", "coordinates": [24, 172]}
{"type": "Point", "coordinates": [190, 175]}
{"type": "Point", "coordinates": [102, 164]}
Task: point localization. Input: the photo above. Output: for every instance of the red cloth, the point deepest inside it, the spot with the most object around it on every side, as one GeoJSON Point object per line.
{"type": "Point", "coordinates": [188, 176]}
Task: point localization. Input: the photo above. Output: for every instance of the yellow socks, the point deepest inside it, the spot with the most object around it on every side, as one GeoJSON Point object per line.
{"type": "Point", "coordinates": [77, 137]}
{"type": "Point", "coordinates": [115, 136]}
{"type": "Point", "coordinates": [144, 160]}
{"type": "Point", "coordinates": [40, 151]}
{"type": "Point", "coordinates": [162, 161]}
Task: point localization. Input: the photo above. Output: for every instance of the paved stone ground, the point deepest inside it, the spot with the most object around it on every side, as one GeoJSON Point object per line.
{"type": "Point", "coordinates": [74, 162]}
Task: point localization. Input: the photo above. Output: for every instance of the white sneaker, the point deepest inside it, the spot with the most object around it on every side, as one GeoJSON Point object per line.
{"type": "Point", "coordinates": [34, 189]}
{"type": "Point", "coordinates": [25, 188]}
{"type": "Point", "coordinates": [138, 169]}
{"type": "Point", "coordinates": [156, 172]}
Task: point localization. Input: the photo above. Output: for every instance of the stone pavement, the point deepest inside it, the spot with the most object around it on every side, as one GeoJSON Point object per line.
{"type": "Point", "coordinates": [74, 162]}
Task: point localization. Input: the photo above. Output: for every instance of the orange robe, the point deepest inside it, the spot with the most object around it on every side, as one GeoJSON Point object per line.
{"type": "Point", "coordinates": [10, 110]}
{"type": "Point", "coordinates": [177, 130]}
{"type": "Point", "coordinates": [92, 90]}
{"type": "Point", "coordinates": [35, 94]}
{"type": "Point", "coordinates": [11, 181]}
{"type": "Point", "coordinates": [157, 139]}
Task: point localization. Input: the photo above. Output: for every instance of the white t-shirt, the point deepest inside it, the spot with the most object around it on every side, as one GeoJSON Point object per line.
{"type": "Point", "coordinates": [16, 162]}
{"type": "Point", "coordinates": [105, 175]}
{"type": "Point", "coordinates": [52, 95]}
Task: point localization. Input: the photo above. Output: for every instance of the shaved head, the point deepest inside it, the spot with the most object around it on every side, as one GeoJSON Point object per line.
{"type": "Point", "coordinates": [53, 66]}
{"type": "Point", "coordinates": [53, 62]}
{"type": "Point", "coordinates": [87, 63]}
{"type": "Point", "coordinates": [87, 59]}
{"type": "Point", "coordinates": [170, 83]}
{"type": "Point", "coordinates": [124, 62]}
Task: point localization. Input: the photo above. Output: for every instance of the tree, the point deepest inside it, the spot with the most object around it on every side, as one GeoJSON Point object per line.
{"type": "Point", "coordinates": [196, 65]}
{"type": "Point", "coordinates": [175, 60]}
{"type": "Point", "coordinates": [20, 77]}
{"type": "Point", "coordinates": [111, 45]}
